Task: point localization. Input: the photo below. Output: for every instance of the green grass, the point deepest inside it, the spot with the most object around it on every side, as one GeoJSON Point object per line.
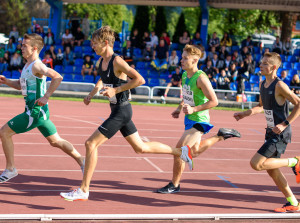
{"type": "Point", "coordinates": [106, 101]}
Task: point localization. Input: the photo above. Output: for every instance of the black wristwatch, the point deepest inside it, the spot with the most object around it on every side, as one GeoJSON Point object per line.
{"type": "Point", "coordinates": [286, 122]}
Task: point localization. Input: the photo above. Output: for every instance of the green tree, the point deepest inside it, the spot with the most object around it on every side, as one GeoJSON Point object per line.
{"type": "Point", "coordinates": [180, 28]}
{"type": "Point", "coordinates": [141, 20]}
{"type": "Point", "coordinates": [13, 12]}
{"type": "Point", "coordinates": [160, 21]}
{"type": "Point", "coordinates": [192, 19]}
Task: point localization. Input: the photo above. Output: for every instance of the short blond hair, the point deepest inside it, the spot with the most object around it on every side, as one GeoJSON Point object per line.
{"type": "Point", "coordinates": [104, 33]}
{"type": "Point", "coordinates": [35, 40]}
{"type": "Point", "coordinates": [193, 50]}
{"type": "Point", "coordinates": [273, 58]}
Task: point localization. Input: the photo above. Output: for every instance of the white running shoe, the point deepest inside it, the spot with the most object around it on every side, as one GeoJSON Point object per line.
{"type": "Point", "coordinates": [186, 156]}
{"type": "Point", "coordinates": [7, 175]}
{"type": "Point", "coordinates": [82, 166]}
{"type": "Point", "coordinates": [75, 195]}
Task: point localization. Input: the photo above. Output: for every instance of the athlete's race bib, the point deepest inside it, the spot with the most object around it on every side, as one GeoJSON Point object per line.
{"type": "Point", "coordinates": [269, 118]}
{"type": "Point", "coordinates": [113, 99]}
{"type": "Point", "coordinates": [23, 86]}
{"type": "Point", "coordinates": [188, 95]}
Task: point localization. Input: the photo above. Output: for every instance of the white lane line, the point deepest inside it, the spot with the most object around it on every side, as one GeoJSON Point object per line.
{"type": "Point", "coordinates": [74, 119]}
{"type": "Point", "coordinates": [152, 164]}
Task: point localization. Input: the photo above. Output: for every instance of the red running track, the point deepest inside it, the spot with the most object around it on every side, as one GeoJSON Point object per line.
{"type": "Point", "coordinates": [222, 181]}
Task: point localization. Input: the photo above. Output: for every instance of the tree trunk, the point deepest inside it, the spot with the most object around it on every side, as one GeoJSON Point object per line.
{"type": "Point", "coordinates": [286, 25]}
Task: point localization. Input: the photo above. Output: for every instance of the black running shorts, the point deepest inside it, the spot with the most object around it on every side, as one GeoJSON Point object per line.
{"type": "Point", "coordinates": [273, 147]}
{"type": "Point", "coordinates": [119, 119]}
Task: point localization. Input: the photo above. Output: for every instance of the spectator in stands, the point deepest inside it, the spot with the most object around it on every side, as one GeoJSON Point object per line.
{"type": "Point", "coordinates": [59, 57]}
{"type": "Point", "coordinates": [15, 62]}
{"type": "Point", "coordinates": [148, 54]}
{"type": "Point", "coordinates": [160, 56]}
{"type": "Point", "coordinates": [242, 76]}
{"type": "Point", "coordinates": [223, 53]}
{"type": "Point", "coordinates": [52, 53]}
{"type": "Point", "coordinates": [10, 47]}
{"type": "Point", "coordinates": [166, 38]}
{"type": "Point", "coordinates": [244, 52]}
{"type": "Point", "coordinates": [233, 72]}
{"type": "Point", "coordinates": [283, 77]}
{"type": "Point", "coordinates": [48, 61]}
{"type": "Point", "coordinates": [287, 46]}
{"type": "Point", "coordinates": [32, 28]}
{"type": "Point", "coordinates": [20, 41]}
{"type": "Point", "coordinates": [223, 82]}
{"type": "Point", "coordinates": [67, 39]}
{"type": "Point", "coordinates": [250, 64]}
{"type": "Point", "coordinates": [295, 84]}
{"type": "Point", "coordinates": [154, 39]}
{"type": "Point", "coordinates": [216, 63]}
{"type": "Point", "coordinates": [203, 57]}
{"type": "Point", "coordinates": [227, 62]}
{"type": "Point", "coordinates": [248, 43]}
{"type": "Point", "coordinates": [211, 53]}
{"type": "Point", "coordinates": [41, 32]}
{"type": "Point", "coordinates": [95, 70]}
{"type": "Point", "coordinates": [78, 37]}
{"type": "Point", "coordinates": [210, 72]}
{"type": "Point", "coordinates": [197, 39]}
{"type": "Point", "coordinates": [5, 60]}
{"type": "Point", "coordinates": [236, 58]}
{"type": "Point", "coordinates": [135, 39]}
{"type": "Point", "coordinates": [49, 38]}
{"type": "Point", "coordinates": [175, 81]}
{"type": "Point", "coordinates": [266, 50]}
{"type": "Point", "coordinates": [146, 40]}
{"type": "Point", "coordinates": [128, 53]}
{"type": "Point", "coordinates": [18, 49]}
{"type": "Point", "coordinates": [183, 40]}
{"type": "Point", "coordinates": [277, 46]}
{"type": "Point", "coordinates": [86, 26]}
{"type": "Point", "coordinates": [214, 41]}
{"type": "Point", "coordinates": [68, 57]}
{"type": "Point", "coordinates": [226, 41]}
{"type": "Point", "coordinates": [87, 66]}
{"type": "Point", "coordinates": [173, 61]}
{"type": "Point", "coordinates": [74, 22]}
{"type": "Point", "coordinates": [14, 34]}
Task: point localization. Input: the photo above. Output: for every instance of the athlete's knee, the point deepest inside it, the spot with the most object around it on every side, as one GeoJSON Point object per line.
{"type": "Point", "coordinates": [4, 133]}
{"type": "Point", "coordinates": [139, 150]}
{"type": "Point", "coordinates": [89, 144]}
{"type": "Point", "coordinates": [55, 143]}
{"type": "Point", "coordinates": [256, 166]}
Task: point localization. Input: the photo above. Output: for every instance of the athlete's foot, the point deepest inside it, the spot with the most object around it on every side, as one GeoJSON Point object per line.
{"type": "Point", "coordinates": [288, 208]}
{"type": "Point", "coordinates": [186, 156]}
{"type": "Point", "coordinates": [75, 195]}
{"type": "Point", "coordinates": [296, 169]}
{"type": "Point", "coordinates": [169, 189]}
{"type": "Point", "coordinates": [8, 174]}
{"type": "Point", "coordinates": [228, 133]}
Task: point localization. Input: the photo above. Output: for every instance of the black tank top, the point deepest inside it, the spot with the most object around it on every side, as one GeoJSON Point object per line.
{"type": "Point", "coordinates": [274, 112]}
{"type": "Point", "coordinates": [110, 80]}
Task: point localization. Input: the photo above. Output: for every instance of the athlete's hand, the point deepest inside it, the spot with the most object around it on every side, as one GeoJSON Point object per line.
{"type": "Point", "coordinates": [175, 114]}
{"type": "Point", "coordinates": [41, 101]}
{"type": "Point", "coordinates": [279, 128]}
{"type": "Point", "coordinates": [239, 115]}
{"type": "Point", "coordinates": [2, 79]}
{"type": "Point", "coordinates": [87, 100]}
{"type": "Point", "coordinates": [187, 109]}
{"type": "Point", "coordinates": [109, 92]}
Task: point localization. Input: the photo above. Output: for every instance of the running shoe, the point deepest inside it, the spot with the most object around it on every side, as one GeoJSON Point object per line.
{"type": "Point", "coordinates": [186, 156]}
{"type": "Point", "coordinates": [75, 195]}
{"type": "Point", "coordinates": [296, 169]}
{"type": "Point", "coordinates": [7, 175]}
{"type": "Point", "coordinates": [169, 189]}
{"type": "Point", "coordinates": [228, 133]}
{"type": "Point", "coordinates": [287, 208]}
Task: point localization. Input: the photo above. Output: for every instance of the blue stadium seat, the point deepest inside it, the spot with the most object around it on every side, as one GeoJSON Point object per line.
{"type": "Point", "coordinates": [214, 85]}
{"type": "Point", "coordinates": [257, 69]}
{"type": "Point", "coordinates": [6, 73]}
{"type": "Point", "coordinates": [154, 82]}
{"type": "Point", "coordinates": [48, 79]}
{"type": "Point", "coordinates": [292, 72]}
{"type": "Point", "coordinates": [15, 74]}
{"type": "Point", "coordinates": [78, 62]}
{"type": "Point", "coordinates": [58, 68]}
{"type": "Point", "coordinates": [279, 71]}
{"type": "Point", "coordinates": [97, 79]}
{"type": "Point", "coordinates": [153, 74]}
{"type": "Point", "coordinates": [254, 79]}
{"type": "Point", "coordinates": [233, 86]}
{"type": "Point", "coordinates": [287, 65]}
{"type": "Point", "coordinates": [256, 87]}
{"type": "Point", "coordinates": [87, 50]}
{"type": "Point", "coordinates": [297, 66]}
{"type": "Point", "coordinates": [257, 58]}
{"type": "Point", "coordinates": [282, 58]}
{"type": "Point", "coordinates": [140, 65]}
{"type": "Point", "coordinates": [68, 77]}
{"type": "Point", "coordinates": [77, 70]}
{"type": "Point", "coordinates": [297, 52]}
{"type": "Point", "coordinates": [88, 79]}
{"type": "Point", "coordinates": [256, 49]}
{"type": "Point", "coordinates": [235, 48]}
{"type": "Point", "coordinates": [292, 59]}
{"type": "Point", "coordinates": [137, 52]}
{"type": "Point", "coordinates": [78, 78]}
{"type": "Point", "coordinates": [59, 47]}
{"type": "Point", "coordinates": [174, 46]}
{"type": "Point", "coordinates": [78, 51]}
{"type": "Point", "coordinates": [68, 69]}
{"type": "Point", "coordinates": [247, 86]}
{"type": "Point", "coordinates": [86, 43]}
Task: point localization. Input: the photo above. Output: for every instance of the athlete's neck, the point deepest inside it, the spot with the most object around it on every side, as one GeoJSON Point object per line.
{"type": "Point", "coordinates": [107, 54]}
{"type": "Point", "coordinates": [270, 78]}
{"type": "Point", "coordinates": [191, 72]}
{"type": "Point", "coordinates": [32, 58]}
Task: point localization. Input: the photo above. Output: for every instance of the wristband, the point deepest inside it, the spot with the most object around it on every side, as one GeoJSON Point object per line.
{"type": "Point", "coordinates": [286, 122]}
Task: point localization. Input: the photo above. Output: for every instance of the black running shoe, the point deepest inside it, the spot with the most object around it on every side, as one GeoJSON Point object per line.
{"type": "Point", "coordinates": [169, 189]}
{"type": "Point", "coordinates": [228, 133]}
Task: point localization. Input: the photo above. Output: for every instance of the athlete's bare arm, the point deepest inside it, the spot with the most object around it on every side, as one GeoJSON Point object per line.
{"type": "Point", "coordinates": [96, 89]}
{"type": "Point", "coordinates": [11, 83]}
{"type": "Point", "coordinates": [39, 69]}
{"type": "Point", "coordinates": [122, 70]}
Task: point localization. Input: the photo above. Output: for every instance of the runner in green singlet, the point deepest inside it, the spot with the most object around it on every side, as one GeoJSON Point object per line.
{"type": "Point", "coordinates": [36, 114]}
{"type": "Point", "coordinates": [198, 98]}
